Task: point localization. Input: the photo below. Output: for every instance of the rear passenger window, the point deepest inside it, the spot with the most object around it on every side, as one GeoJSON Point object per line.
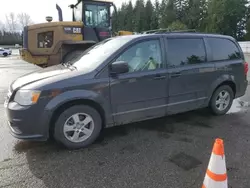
{"type": "Point", "coordinates": [223, 49]}
{"type": "Point", "coordinates": [182, 52]}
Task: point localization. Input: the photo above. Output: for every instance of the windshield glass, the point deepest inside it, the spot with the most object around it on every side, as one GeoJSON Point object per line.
{"type": "Point", "coordinates": [96, 16]}
{"type": "Point", "coordinates": [78, 12]}
{"type": "Point", "coordinates": [95, 55]}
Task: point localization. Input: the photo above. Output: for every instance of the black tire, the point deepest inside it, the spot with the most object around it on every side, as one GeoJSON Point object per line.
{"type": "Point", "coordinates": [5, 54]}
{"type": "Point", "coordinates": [215, 95]}
{"type": "Point", "coordinates": [58, 129]}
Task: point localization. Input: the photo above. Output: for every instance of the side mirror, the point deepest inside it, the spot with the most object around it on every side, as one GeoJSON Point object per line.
{"type": "Point", "coordinates": [119, 67]}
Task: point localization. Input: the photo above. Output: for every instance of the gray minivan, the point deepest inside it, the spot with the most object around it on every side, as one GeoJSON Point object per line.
{"type": "Point", "coordinates": [126, 79]}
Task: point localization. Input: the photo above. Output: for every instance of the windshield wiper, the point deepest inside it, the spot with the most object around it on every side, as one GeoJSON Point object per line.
{"type": "Point", "coordinates": [69, 65]}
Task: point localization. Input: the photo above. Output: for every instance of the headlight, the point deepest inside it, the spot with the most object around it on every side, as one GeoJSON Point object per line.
{"type": "Point", "coordinates": [27, 97]}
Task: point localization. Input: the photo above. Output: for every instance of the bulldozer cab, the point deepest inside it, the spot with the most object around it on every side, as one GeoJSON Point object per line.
{"type": "Point", "coordinates": [96, 18]}
{"type": "Point", "coordinates": [47, 44]}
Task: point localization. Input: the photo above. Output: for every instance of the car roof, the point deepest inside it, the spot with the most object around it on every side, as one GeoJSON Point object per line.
{"type": "Point", "coordinates": [179, 34]}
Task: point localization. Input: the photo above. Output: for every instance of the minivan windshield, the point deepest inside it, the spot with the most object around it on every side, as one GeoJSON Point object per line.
{"type": "Point", "coordinates": [91, 58]}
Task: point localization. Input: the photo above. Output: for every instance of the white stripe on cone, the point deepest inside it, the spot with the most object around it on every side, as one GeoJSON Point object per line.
{"type": "Point", "coordinates": [210, 183]}
{"type": "Point", "coordinates": [217, 164]}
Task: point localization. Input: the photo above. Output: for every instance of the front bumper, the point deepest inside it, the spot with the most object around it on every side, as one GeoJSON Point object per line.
{"type": "Point", "coordinates": [26, 123]}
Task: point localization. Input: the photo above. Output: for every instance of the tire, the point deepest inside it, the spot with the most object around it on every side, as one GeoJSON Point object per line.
{"type": "Point", "coordinates": [5, 54]}
{"type": "Point", "coordinates": [227, 101]}
{"type": "Point", "coordinates": [66, 118]}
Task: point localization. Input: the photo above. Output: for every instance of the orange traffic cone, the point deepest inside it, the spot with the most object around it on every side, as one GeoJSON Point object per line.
{"type": "Point", "coordinates": [216, 175]}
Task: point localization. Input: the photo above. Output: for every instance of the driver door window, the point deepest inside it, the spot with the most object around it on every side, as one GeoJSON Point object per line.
{"type": "Point", "coordinates": [144, 56]}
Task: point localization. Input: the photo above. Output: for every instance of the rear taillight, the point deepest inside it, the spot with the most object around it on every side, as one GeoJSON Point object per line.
{"type": "Point", "coordinates": [245, 68]}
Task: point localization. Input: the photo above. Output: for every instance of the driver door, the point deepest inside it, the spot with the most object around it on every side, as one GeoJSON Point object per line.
{"type": "Point", "coordinates": [142, 92]}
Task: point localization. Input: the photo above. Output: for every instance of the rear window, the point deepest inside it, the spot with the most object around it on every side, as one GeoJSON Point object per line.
{"type": "Point", "coordinates": [223, 49]}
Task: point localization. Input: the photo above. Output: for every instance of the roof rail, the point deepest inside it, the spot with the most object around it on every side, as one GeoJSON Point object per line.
{"type": "Point", "coordinates": [166, 30]}
{"type": "Point", "coordinates": [155, 30]}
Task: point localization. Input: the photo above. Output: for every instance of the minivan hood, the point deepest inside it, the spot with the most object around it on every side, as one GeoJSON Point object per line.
{"type": "Point", "coordinates": [39, 75]}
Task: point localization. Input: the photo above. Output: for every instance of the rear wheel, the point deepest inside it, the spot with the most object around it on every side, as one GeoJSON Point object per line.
{"type": "Point", "coordinates": [222, 100]}
{"type": "Point", "coordinates": [78, 126]}
{"type": "Point", "coordinates": [5, 54]}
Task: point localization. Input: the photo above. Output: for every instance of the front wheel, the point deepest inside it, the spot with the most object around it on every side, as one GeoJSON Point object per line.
{"type": "Point", "coordinates": [78, 126]}
{"type": "Point", "coordinates": [222, 100]}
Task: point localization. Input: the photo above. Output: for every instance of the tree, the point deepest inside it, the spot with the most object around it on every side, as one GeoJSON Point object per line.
{"type": "Point", "coordinates": [148, 15]}
{"type": "Point", "coordinates": [180, 7]}
{"type": "Point", "coordinates": [154, 24]}
{"type": "Point", "coordinates": [196, 12]}
{"type": "Point", "coordinates": [129, 17]}
{"type": "Point", "coordinates": [2, 27]}
{"type": "Point", "coordinates": [24, 20]}
{"type": "Point", "coordinates": [139, 12]}
{"type": "Point", "coordinates": [10, 31]}
{"type": "Point", "coordinates": [168, 13]}
{"type": "Point", "coordinates": [226, 16]}
{"type": "Point", "coordinates": [177, 25]}
{"type": "Point", "coordinates": [247, 36]}
{"type": "Point", "coordinates": [11, 22]}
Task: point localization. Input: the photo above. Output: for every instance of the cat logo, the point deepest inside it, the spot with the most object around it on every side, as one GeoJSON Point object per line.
{"type": "Point", "coordinates": [73, 30]}
{"type": "Point", "coordinates": [77, 30]}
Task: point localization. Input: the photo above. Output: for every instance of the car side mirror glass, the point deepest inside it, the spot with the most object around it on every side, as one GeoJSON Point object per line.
{"type": "Point", "coordinates": [119, 67]}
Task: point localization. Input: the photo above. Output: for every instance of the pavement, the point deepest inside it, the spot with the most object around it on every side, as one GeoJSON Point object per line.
{"type": "Point", "coordinates": [167, 152]}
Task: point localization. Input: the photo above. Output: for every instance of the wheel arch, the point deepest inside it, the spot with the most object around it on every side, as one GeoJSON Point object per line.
{"type": "Point", "coordinates": [230, 83]}
{"type": "Point", "coordinates": [56, 113]}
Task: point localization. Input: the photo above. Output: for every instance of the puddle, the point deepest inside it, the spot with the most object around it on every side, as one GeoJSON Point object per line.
{"type": "Point", "coordinates": [129, 148]}
{"type": "Point", "coordinates": [24, 146]}
{"type": "Point", "coordinates": [184, 161]}
{"type": "Point", "coordinates": [201, 124]}
{"type": "Point", "coordinates": [239, 106]}
{"type": "Point", "coordinates": [111, 133]}
{"type": "Point", "coordinates": [183, 139]}
{"type": "Point", "coordinates": [160, 125]}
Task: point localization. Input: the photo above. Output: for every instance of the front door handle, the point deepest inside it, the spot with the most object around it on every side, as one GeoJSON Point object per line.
{"type": "Point", "coordinates": [159, 77]}
{"type": "Point", "coordinates": [175, 74]}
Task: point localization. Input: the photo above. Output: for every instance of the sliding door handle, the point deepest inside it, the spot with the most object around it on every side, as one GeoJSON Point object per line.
{"type": "Point", "coordinates": [175, 74]}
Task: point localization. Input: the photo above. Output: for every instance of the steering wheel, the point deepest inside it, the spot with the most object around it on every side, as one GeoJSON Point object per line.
{"type": "Point", "coordinates": [143, 67]}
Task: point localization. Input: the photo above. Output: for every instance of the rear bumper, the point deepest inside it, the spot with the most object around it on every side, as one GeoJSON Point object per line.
{"type": "Point", "coordinates": [241, 91]}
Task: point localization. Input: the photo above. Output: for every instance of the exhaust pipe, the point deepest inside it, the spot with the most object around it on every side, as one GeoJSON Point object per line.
{"type": "Point", "coordinates": [59, 10]}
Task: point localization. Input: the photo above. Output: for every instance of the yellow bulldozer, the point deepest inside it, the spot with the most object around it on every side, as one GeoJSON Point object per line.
{"type": "Point", "coordinates": [49, 43]}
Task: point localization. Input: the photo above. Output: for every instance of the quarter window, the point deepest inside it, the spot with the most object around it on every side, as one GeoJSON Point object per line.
{"type": "Point", "coordinates": [223, 49]}
{"type": "Point", "coordinates": [143, 56]}
{"type": "Point", "coordinates": [182, 52]}
{"type": "Point", "coordinates": [45, 39]}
